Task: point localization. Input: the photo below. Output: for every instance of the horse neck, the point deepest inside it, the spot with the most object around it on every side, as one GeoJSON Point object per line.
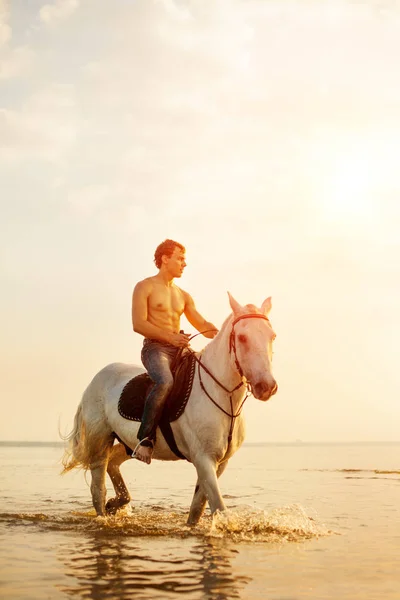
{"type": "Point", "coordinates": [216, 357]}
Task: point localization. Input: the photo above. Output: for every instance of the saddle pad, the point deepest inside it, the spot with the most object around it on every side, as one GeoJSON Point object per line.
{"type": "Point", "coordinates": [133, 396]}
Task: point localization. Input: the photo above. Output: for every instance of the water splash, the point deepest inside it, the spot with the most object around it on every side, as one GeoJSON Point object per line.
{"type": "Point", "coordinates": [284, 524]}
{"type": "Point", "coordinates": [289, 523]}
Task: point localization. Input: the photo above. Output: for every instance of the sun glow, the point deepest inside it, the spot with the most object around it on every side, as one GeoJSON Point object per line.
{"type": "Point", "coordinates": [349, 191]}
{"type": "Point", "coordinates": [351, 175]}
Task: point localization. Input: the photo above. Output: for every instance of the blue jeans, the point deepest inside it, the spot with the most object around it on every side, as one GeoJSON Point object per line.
{"type": "Point", "coordinates": [157, 358]}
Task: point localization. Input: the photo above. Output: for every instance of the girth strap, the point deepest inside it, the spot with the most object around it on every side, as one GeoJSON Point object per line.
{"type": "Point", "coordinates": [168, 434]}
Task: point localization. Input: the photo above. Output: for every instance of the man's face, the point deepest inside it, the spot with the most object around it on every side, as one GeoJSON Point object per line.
{"type": "Point", "coordinates": [176, 262]}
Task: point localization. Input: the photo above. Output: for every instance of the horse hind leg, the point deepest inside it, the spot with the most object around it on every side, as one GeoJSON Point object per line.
{"type": "Point", "coordinates": [122, 497]}
{"type": "Point", "coordinates": [98, 484]}
{"type": "Point", "coordinates": [200, 499]}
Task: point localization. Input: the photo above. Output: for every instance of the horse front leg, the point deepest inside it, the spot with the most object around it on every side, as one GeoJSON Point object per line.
{"type": "Point", "coordinates": [199, 498]}
{"type": "Point", "coordinates": [208, 485]}
{"type": "Point", "coordinates": [122, 497]}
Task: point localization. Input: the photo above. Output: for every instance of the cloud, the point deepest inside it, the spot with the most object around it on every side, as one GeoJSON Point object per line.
{"type": "Point", "coordinates": [43, 128]}
{"type": "Point", "coordinates": [88, 200]}
{"type": "Point", "coordinates": [187, 103]}
{"type": "Point", "coordinates": [111, 207]}
{"type": "Point", "coordinates": [60, 10]}
{"type": "Point", "coordinates": [5, 29]}
{"type": "Point", "coordinates": [16, 62]}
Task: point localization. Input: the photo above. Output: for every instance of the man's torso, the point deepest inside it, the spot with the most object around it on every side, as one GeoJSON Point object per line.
{"type": "Point", "coordinates": [165, 306]}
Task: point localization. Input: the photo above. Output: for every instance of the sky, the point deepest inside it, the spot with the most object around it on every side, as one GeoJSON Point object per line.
{"type": "Point", "coordinates": [264, 136]}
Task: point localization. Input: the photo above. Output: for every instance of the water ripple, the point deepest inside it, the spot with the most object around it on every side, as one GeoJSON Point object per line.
{"type": "Point", "coordinates": [117, 568]}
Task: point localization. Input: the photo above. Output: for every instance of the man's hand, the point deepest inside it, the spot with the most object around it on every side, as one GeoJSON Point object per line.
{"type": "Point", "coordinates": [181, 340]}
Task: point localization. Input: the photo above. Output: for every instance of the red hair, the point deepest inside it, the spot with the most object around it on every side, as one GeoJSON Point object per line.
{"type": "Point", "coordinates": [166, 248]}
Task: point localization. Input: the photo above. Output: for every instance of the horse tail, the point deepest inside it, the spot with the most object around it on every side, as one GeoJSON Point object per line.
{"type": "Point", "coordinates": [91, 438]}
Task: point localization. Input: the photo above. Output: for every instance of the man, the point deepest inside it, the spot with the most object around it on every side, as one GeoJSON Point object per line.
{"type": "Point", "coordinates": [157, 306]}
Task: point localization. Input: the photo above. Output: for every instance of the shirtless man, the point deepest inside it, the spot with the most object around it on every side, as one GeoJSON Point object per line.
{"type": "Point", "coordinates": [157, 306]}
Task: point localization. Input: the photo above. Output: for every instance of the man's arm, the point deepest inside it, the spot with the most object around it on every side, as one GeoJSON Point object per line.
{"type": "Point", "coordinates": [140, 321]}
{"type": "Point", "coordinates": [194, 317]}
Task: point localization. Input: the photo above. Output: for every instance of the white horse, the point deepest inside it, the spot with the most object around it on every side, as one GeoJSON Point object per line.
{"type": "Point", "coordinates": [208, 433]}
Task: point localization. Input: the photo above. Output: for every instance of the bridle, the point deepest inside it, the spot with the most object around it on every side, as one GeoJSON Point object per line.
{"type": "Point", "coordinates": [232, 347]}
{"type": "Point", "coordinates": [232, 338]}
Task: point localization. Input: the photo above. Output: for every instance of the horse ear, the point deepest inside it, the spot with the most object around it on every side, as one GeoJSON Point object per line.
{"type": "Point", "coordinates": [266, 306]}
{"type": "Point", "coordinates": [235, 306]}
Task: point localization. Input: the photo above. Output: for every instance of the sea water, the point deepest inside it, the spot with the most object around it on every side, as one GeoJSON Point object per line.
{"type": "Point", "coordinates": [303, 521]}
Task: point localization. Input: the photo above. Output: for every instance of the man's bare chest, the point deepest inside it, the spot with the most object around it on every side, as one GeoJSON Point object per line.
{"type": "Point", "coordinates": [166, 301]}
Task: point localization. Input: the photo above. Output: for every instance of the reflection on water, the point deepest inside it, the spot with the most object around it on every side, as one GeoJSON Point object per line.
{"type": "Point", "coordinates": [104, 567]}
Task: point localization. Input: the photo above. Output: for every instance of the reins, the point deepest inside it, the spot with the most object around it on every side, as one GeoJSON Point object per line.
{"type": "Point", "coordinates": [232, 415]}
{"type": "Point", "coordinates": [232, 346]}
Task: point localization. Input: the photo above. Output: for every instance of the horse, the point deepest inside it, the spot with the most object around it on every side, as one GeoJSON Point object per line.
{"type": "Point", "coordinates": [235, 363]}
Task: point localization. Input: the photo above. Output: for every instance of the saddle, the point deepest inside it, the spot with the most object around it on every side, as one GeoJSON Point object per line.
{"type": "Point", "coordinates": [133, 397]}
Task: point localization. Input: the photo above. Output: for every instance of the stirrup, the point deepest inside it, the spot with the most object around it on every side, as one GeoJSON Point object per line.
{"type": "Point", "coordinates": [144, 442]}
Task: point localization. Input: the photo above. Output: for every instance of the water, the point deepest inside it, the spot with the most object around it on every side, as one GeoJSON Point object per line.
{"type": "Point", "coordinates": [304, 521]}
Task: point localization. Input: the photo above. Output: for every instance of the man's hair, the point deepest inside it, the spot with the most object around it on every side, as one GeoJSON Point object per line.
{"type": "Point", "coordinates": [166, 248]}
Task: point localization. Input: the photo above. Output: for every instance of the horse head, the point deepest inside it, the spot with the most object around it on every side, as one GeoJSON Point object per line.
{"type": "Point", "coordinates": [250, 344]}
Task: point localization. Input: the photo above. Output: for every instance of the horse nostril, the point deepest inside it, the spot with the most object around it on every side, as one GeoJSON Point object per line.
{"type": "Point", "coordinates": [260, 388]}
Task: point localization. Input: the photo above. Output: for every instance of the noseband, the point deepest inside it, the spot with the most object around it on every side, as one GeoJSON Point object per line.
{"type": "Point", "coordinates": [232, 338]}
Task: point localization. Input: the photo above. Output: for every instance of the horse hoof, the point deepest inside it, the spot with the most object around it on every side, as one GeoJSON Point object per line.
{"type": "Point", "coordinates": [115, 504]}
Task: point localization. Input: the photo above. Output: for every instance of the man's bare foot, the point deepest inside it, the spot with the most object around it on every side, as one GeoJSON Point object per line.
{"type": "Point", "coordinates": [144, 454]}
{"type": "Point", "coordinates": [144, 451]}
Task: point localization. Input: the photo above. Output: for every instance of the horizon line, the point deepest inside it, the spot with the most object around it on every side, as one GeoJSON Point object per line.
{"type": "Point", "coordinates": [249, 443]}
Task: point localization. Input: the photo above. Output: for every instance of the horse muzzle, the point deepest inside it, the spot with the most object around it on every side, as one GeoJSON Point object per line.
{"type": "Point", "coordinates": [264, 390]}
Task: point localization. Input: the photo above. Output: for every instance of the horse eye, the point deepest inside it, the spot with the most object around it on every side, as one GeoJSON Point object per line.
{"type": "Point", "coordinates": [242, 338]}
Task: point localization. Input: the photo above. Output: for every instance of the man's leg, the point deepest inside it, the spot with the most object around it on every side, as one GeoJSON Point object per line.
{"type": "Point", "coordinates": [157, 359]}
